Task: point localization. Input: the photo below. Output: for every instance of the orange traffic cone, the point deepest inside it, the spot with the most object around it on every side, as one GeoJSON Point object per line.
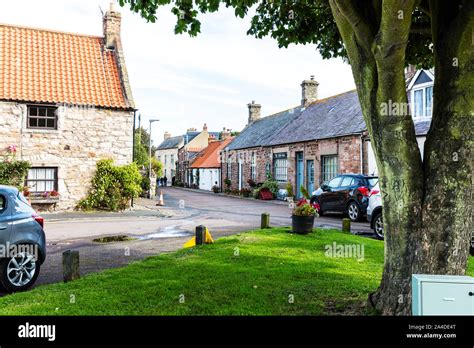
{"type": "Point", "coordinates": [161, 202]}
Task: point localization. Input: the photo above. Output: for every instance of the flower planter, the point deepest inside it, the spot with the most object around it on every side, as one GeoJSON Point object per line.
{"type": "Point", "coordinates": [302, 224]}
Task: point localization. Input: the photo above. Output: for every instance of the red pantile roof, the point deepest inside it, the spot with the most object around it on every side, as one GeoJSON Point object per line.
{"type": "Point", "coordinates": [54, 67]}
{"type": "Point", "coordinates": [209, 157]}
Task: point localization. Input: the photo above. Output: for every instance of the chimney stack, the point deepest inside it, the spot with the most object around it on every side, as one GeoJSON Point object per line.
{"type": "Point", "coordinates": [410, 71]}
{"type": "Point", "coordinates": [111, 27]}
{"type": "Point", "coordinates": [254, 111]}
{"type": "Point", "coordinates": [167, 135]}
{"type": "Point", "coordinates": [309, 91]}
{"type": "Point", "coordinates": [225, 134]}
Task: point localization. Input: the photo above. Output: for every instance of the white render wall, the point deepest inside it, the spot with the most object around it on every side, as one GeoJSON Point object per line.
{"type": "Point", "coordinates": [167, 167]}
{"type": "Point", "coordinates": [371, 155]}
{"type": "Point", "coordinates": [208, 178]}
{"type": "Point", "coordinates": [84, 136]}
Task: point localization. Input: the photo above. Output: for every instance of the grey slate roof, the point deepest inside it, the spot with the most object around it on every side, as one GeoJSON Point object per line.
{"type": "Point", "coordinates": [332, 117]}
{"type": "Point", "coordinates": [262, 131]}
{"type": "Point", "coordinates": [327, 118]}
{"type": "Point", "coordinates": [170, 143]}
{"type": "Point", "coordinates": [422, 127]}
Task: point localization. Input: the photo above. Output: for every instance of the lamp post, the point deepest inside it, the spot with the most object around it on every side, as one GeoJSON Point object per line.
{"type": "Point", "coordinates": [149, 154]}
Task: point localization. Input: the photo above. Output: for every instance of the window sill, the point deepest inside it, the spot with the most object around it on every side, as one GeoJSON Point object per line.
{"type": "Point", "coordinates": [40, 131]}
{"type": "Point", "coordinates": [43, 200]}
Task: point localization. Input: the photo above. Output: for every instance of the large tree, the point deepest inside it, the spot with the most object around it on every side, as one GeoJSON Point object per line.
{"type": "Point", "coordinates": [427, 204]}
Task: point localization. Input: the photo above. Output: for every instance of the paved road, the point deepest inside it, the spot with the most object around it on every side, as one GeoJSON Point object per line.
{"type": "Point", "coordinates": [158, 229]}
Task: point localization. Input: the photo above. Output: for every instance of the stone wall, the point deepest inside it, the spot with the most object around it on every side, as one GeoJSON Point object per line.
{"type": "Point", "coordinates": [84, 136]}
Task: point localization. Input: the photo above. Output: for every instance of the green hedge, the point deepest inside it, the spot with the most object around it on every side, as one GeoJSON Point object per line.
{"type": "Point", "coordinates": [13, 173]}
{"type": "Point", "coordinates": [112, 187]}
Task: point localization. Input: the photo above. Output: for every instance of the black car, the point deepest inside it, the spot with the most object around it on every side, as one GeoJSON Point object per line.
{"type": "Point", "coordinates": [346, 193]}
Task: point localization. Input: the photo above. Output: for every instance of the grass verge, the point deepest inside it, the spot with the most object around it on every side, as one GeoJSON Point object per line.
{"type": "Point", "coordinates": [262, 272]}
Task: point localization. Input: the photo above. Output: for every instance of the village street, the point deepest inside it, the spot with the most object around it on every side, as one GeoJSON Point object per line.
{"type": "Point", "coordinates": [158, 229]}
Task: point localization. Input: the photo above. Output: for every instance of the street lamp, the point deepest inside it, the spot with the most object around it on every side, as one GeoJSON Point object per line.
{"type": "Point", "coordinates": [149, 155]}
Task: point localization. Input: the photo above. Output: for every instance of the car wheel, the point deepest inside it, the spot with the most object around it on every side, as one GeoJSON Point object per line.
{"type": "Point", "coordinates": [378, 226]}
{"type": "Point", "coordinates": [19, 273]}
{"type": "Point", "coordinates": [353, 211]}
{"type": "Point", "coordinates": [315, 200]}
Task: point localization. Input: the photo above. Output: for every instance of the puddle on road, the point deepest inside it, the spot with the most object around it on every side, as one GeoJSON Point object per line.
{"type": "Point", "coordinates": [166, 232]}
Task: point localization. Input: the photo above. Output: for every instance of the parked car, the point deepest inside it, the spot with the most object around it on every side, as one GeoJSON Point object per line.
{"type": "Point", "coordinates": [22, 241]}
{"type": "Point", "coordinates": [346, 193]}
{"type": "Point", "coordinates": [374, 211]}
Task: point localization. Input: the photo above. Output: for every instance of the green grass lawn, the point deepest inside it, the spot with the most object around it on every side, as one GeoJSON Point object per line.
{"type": "Point", "coordinates": [254, 273]}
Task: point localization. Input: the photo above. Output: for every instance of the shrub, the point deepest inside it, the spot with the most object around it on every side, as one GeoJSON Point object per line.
{"type": "Point", "coordinates": [245, 192]}
{"type": "Point", "coordinates": [304, 192]}
{"type": "Point", "coordinates": [256, 193]}
{"type": "Point", "coordinates": [272, 185]}
{"type": "Point", "coordinates": [289, 190]}
{"type": "Point", "coordinates": [251, 183]}
{"type": "Point", "coordinates": [227, 182]}
{"type": "Point", "coordinates": [215, 189]}
{"type": "Point", "coordinates": [13, 173]}
{"type": "Point", "coordinates": [112, 186]}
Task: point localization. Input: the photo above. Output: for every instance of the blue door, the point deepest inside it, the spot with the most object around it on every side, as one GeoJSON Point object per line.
{"type": "Point", "coordinates": [299, 173]}
{"type": "Point", "coordinates": [310, 176]}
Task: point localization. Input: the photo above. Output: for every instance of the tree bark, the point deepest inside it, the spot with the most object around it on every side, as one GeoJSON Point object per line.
{"type": "Point", "coordinates": [448, 167]}
{"type": "Point", "coordinates": [426, 220]}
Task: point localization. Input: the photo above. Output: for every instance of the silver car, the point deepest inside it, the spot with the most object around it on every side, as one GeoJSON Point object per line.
{"type": "Point", "coordinates": [22, 241]}
{"type": "Point", "coordinates": [374, 211]}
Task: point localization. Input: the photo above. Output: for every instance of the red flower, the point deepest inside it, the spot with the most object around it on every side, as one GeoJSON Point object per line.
{"type": "Point", "coordinates": [316, 206]}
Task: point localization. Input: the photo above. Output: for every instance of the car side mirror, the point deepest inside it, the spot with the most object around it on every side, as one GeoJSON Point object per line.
{"type": "Point", "coordinates": [325, 188]}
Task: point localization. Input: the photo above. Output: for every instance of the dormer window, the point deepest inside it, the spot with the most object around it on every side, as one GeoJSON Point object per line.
{"type": "Point", "coordinates": [42, 117]}
{"type": "Point", "coordinates": [422, 101]}
{"type": "Point", "coordinates": [420, 91]}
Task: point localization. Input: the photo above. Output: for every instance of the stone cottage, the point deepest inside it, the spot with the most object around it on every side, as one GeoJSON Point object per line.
{"type": "Point", "coordinates": [65, 102]}
{"type": "Point", "coordinates": [305, 145]}
{"type": "Point", "coordinates": [313, 142]}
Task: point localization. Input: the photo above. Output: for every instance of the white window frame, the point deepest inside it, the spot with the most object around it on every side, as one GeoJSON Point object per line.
{"type": "Point", "coordinates": [253, 167]}
{"type": "Point", "coordinates": [422, 87]}
{"type": "Point", "coordinates": [280, 169]}
{"type": "Point", "coordinates": [54, 179]}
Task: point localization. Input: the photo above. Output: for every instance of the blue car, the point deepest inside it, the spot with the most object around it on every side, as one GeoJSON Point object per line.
{"type": "Point", "coordinates": [22, 241]}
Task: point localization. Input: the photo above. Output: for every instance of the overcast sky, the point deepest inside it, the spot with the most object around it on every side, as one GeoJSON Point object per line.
{"type": "Point", "coordinates": [186, 82]}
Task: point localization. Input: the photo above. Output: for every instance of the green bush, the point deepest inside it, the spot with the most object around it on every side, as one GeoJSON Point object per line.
{"type": "Point", "coordinates": [13, 173]}
{"type": "Point", "coordinates": [112, 186]}
{"type": "Point", "coordinates": [289, 190]}
{"type": "Point", "coordinates": [304, 192]}
{"type": "Point", "coordinates": [272, 185]}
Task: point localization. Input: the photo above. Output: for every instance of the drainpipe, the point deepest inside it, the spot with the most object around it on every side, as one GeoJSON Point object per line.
{"type": "Point", "coordinates": [361, 154]}
{"type": "Point", "coordinates": [133, 140]}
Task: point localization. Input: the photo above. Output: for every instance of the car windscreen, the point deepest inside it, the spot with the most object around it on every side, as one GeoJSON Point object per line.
{"type": "Point", "coordinates": [372, 181]}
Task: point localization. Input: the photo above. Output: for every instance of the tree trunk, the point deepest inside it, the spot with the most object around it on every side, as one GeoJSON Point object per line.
{"type": "Point", "coordinates": [447, 208]}
{"type": "Point", "coordinates": [426, 220]}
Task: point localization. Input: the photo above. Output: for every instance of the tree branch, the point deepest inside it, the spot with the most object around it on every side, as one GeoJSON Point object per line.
{"type": "Point", "coordinates": [362, 30]}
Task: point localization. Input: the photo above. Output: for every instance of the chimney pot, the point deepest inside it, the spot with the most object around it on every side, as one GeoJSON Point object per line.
{"type": "Point", "coordinates": [204, 128]}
